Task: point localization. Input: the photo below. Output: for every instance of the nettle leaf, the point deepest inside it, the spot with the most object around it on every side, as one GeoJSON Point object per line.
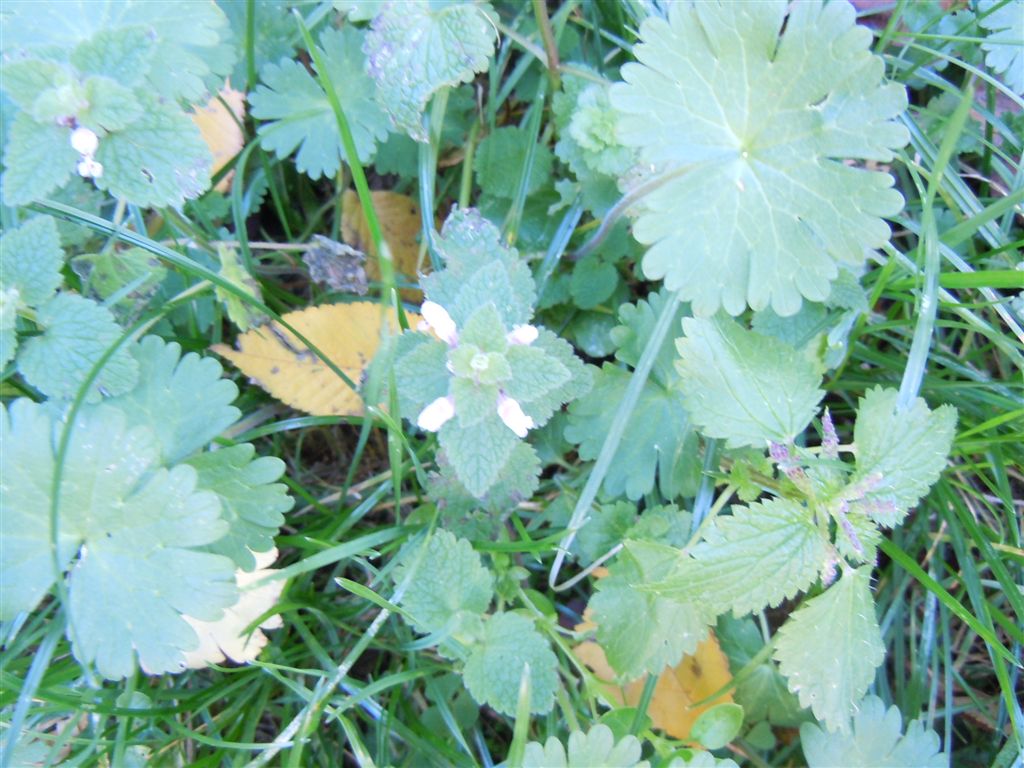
{"type": "Point", "coordinates": [478, 453]}
{"type": "Point", "coordinates": [415, 49]}
{"type": "Point", "coordinates": [495, 665]}
{"type": "Point", "coordinates": [900, 453]}
{"type": "Point", "coordinates": [30, 261]}
{"type": "Point", "coordinates": [557, 377]}
{"type": "Point", "coordinates": [759, 206]}
{"type": "Point", "coordinates": [37, 159]}
{"type": "Point", "coordinates": [183, 400]}
{"type": "Point", "coordinates": [830, 647]}
{"type": "Point", "coordinates": [758, 556]}
{"type": "Point", "coordinates": [747, 388]}
{"type": "Point", "coordinates": [500, 159]}
{"type": "Point", "coordinates": [252, 504]}
{"type": "Point", "coordinates": [77, 332]}
{"type": "Point", "coordinates": [1004, 22]}
{"type": "Point", "coordinates": [300, 115]}
{"type": "Point", "coordinates": [597, 748]}
{"type": "Point", "coordinates": [660, 441]}
{"type": "Point", "coordinates": [641, 631]}
{"type": "Point", "coordinates": [122, 54]}
{"type": "Point", "coordinates": [877, 741]}
{"type": "Point", "coordinates": [450, 583]}
{"type": "Point", "coordinates": [421, 373]}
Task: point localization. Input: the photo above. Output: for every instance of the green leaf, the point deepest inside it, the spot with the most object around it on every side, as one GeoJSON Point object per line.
{"type": "Point", "coordinates": [37, 160]}
{"type": "Point", "coordinates": [420, 372]}
{"type": "Point", "coordinates": [534, 373]}
{"type": "Point", "coordinates": [183, 399]}
{"type": "Point", "coordinates": [25, 79]}
{"type": "Point", "coordinates": [473, 402]}
{"type": "Point", "coordinates": [606, 527]}
{"type": "Point", "coordinates": [111, 106]}
{"type": "Point", "coordinates": [8, 323]}
{"type": "Point", "coordinates": [133, 274]}
{"type": "Point", "coordinates": [593, 281]}
{"type": "Point", "coordinates": [30, 261]}
{"type": "Point", "coordinates": [636, 323]}
{"type": "Point", "coordinates": [1005, 24]}
{"type": "Point", "coordinates": [275, 38]}
{"type": "Point", "coordinates": [744, 387]}
{"type": "Point", "coordinates": [299, 113]}
{"type": "Point", "coordinates": [77, 333]}
{"type": "Point", "coordinates": [500, 159]}
{"type": "Point", "coordinates": [495, 665]}
{"type": "Point", "coordinates": [451, 583]}
{"type": "Point", "coordinates": [252, 504]}
{"type": "Point", "coordinates": [551, 388]}
{"type": "Point", "coordinates": [596, 748]}
{"type": "Point", "coordinates": [122, 54]}
{"type": "Point", "coordinates": [415, 49]}
{"type": "Point", "coordinates": [477, 453]}
{"type": "Point", "coordinates": [640, 631]}
{"type": "Point", "coordinates": [595, 129]}
{"type": "Point", "coordinates": [902, 451]}
{"type": "Point", "coordinates": [759, 206]}
{"type": "Point", "coordinates": [758, 556]}
{"type": "Point", "coordinates": [830, 647]}
{"type": "Point", "coordinates": [718, 725]}
{"type": "Point", "coordinates": [877, 741]}
{"type": "Point", "coordinates": [241, 312]}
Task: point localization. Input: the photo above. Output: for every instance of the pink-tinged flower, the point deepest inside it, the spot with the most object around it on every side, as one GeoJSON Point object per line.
{"type": "Point", "coordinates": [512, 414]}
{"type": "Point", "coordinates": [433, 417]}
{"type": "Point", "coordinates": [523, 334]}
{"type": "Point", "coordinates": [89, 168]}
{"type": "Point", "coordinates": [84, 141]}
{"type": "Point", "coordinates": [437, 317]}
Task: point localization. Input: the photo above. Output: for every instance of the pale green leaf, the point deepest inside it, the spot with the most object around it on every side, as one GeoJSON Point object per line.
{"type": "Point", "coordinates": [744, 387]}
{"type": "Point", "coordinates": [500, 159]}
{"type": "Point", "coordinates": [24, 79]}
{"type": "Point", "coordinates": [542, 401]}
{"type": "Point", "coordinates": [242, 313]}
{"type": "Point", "coordinates": [37, 160]}
{"type": "Point", "coordinates": [133, 275]}
{"type": "Point", "coordinates": [473, 402]}
{"type": "Point", "coordinates": [276, 33]}
{"type": "Point", "coordinates": [77, 332]}
{"type": "Point", "coordinates": [478, 453]}
{"type": "Point", "coordinates": [593, 281]}
{"type": "Point", "coordinates": [420, 372]}
{"type": "Point", "coordinates": [111, 106]}
{"type": "Point", "coordinates": [597, 748]}
{"type": "Point", "coordinates": [534, 373]}
{"type": "Point", "coordinates": [123, 54]}
{"type": "Point", "coordinates": [829, 649]}
{"type": "Point", "coordinates": [900, 453]}
{"type": "Point", "coordinates": [1004, 53]}
{"type": "Point", "coordinates": [299, 115]}
{"type": "Point", "coordinates": [414, 49]}
{"type": "Point", "coordinates": [760, 207]}
{"type": "Point", "coordinates": [30, 261]}
{"type": "Point", "coordinates": [8, 324]}
{"type": "Point", "coordinates": [877, 741]}
{"type": "Point", "coordinates": [495, 665]}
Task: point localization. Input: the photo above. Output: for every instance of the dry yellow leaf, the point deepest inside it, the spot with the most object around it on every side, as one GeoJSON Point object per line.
{"type": "Point", "coordinates": [221, 132]}
{"type": "Point", "coordinates": [672, 706]}
{"type": "Point", "coordinates": [274, 358]}
{"type": "Point", "coordinates": [399, 217]}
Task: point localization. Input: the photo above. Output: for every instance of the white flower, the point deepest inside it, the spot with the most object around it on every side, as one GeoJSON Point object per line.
{"type": "Point", "coordinates": [522, 334]}
{"type": "Point", "coordinates": [512, 414]}
{"type": "Point", "coordinates": [435, 316]}
{"type": "Point", "coordinates": [84, 141]}
{"type": "Point", "coordinates": [436, 414]}
{"type": "Point", "coordinates": [89, 168]}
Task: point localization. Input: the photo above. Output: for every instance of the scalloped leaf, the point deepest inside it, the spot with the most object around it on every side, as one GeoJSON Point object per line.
{"type": "Point", "coordinates": [1004, 22]}
{"type": "Point", "coordinates": [30, 261]}
{"type": "Point", "coordinates": [759, 207]}
{"type": "Point", "coordinates": [597, 748]}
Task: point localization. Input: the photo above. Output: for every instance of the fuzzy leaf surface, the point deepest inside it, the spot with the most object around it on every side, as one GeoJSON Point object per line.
{"type": "Point", "coordinates": [31, 259]}
{"type": "Point", "coordinates": [829, 649]}
{"type": "Point", "coordinates": [753, 111]}
{"type": "Point", "coordinates": [37, 160]}
{"type": "Point", "coordinates": [479, 452]}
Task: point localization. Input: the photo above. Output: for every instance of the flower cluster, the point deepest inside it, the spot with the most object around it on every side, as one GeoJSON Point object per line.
{"type": "Point", "coordinates": [85, 142]}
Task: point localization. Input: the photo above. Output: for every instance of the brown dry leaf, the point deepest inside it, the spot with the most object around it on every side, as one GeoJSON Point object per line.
{"type": "Point", "coordinates": [671, 708]}
{"type": "Point", "coordinates": [274, 358]}
{"type": "Point", "coordinates": [399, 217]}
{"type": "Point", "coordinates": [220, 131]}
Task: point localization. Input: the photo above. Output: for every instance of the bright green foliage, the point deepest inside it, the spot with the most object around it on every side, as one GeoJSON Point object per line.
{"type": "Point", "coordinates": [877, 741]}
{"type": "Point", "coordinates": [639, 630]}
{"type": "Point", "coordinates": [30, 261]}
{"type": "Point", "coordinates": [718, 725]}
{"type": "Point", "coordinates": [415, 49]}
{"type": "Point", "coordinates": [495, 665]}
{"type": "Point", "coordinates": [752, 139]}
{"type": "Point", "coordinates": [298, 112]}
{"type": "Point", "coordinates": [596, 748]}
{"type": "Point", "coordinates": [756, 557]}
{"type": "Point", "coordinates": [659, 440]}
{"type": "Point", "coordinates": [77, 332]}
{"type": "Point", "coordinates": [182, 399]}
{"type": "Point", "coordinates": [450, 587]}
{"type": "Point", "coordinates": [241, 312]}
{"type": "Point", "coordinates": [900, 453]}
{"type": "Point", "coordinates": [829, 649]}
{"type": "Point", "coordinates": [135, 528]}
{"type": "Point", "coordinates": [1003, 50]}
{"type": "Point", "coordinates": [744, 387]}
{"type": "Point", "coordinates": [251, 503]}
{"type": "Point", "coordinates": [500, 159]}
{"type": "Point", "coordinates": [593, 281]}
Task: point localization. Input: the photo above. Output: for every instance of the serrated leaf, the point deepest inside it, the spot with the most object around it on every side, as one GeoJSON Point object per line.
{"type": "Point", "coordinates": [500, 159]}
{"type": "Point", "coordinates": [905, 449]}
{"type": "Point", "coordinates": [478, 453]}
{"type": "Point", "coordinates": [299, 114]}
{"type": "Point", "coordinates": [495, 665]}
{"type": "Point", "coordinates": [77, 333]}
{"type": "Point", "coordinates": [758, 556]}
{"type": "Point", "coordinates": [421, 373]}
{"type": "Point", "coordinates": [111, 106]}
{"type": "Point", "coordinates": [829, 649]}
{"type": "Point", "coordinates": [123, 54]}
{"type": "Point", "coordinates": [640, 631]}
{"type": "Point", "coordinates": [414, 49]}
{"type": "Point", "coordinates": [722, 97]}
{"type": "Point", "coordinates": [450, 583]}
{"type": "Point", "coordinates": [241, 312]}
{"type": "Point", "coordinates": [30, 261]}
{"type": "Point", "coordinates": [877, 741]}
{"type": "Point", "coordinates": [37, 160]}
{"type": "Point", "coordinates": [252, 503]}
{"type": "Point", "coordinates": [542, 402]}
{"type": "Point", "coordinates": [597, 748]}
{"type": "Point", "coordinates": [183, 400]}
{"type": "Point", "coordinates": [534, 373]}
{"type": "Point", "coordinates": [1004, 22]}
{"type": "Point", "coordinates": [744, 387]}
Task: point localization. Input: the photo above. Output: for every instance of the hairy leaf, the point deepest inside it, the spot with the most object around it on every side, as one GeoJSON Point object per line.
{"type": "Point", "coordinates": [478, 453]}
{"type": "Point", "coordinates": [37, 160]}
{"type": "Point", "coordinates": [30, 261]}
